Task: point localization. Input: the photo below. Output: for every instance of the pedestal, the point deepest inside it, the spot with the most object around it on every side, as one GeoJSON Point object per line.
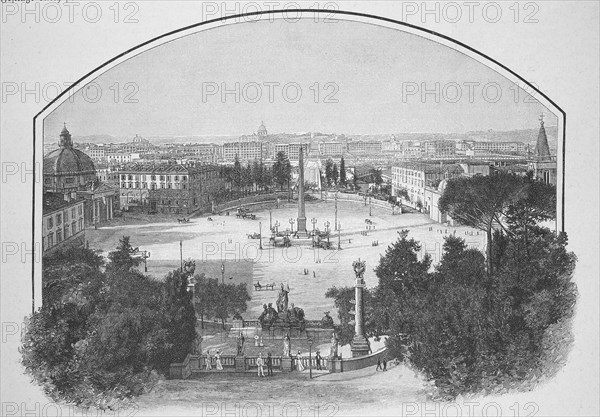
{"type": "Point", "coordinates": [240, 363]}
{"type": "Point", "coordinates": [359, 346]}
{"type": "Point", "coordinates": [286, 364]}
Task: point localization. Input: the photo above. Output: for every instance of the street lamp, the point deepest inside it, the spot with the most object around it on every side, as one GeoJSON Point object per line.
{"type": "Point", "coordinates": [270, 218]}
{"type": "Point", "coordinates": [314, 222]}
{"type": "Point", "coordinates": [260, 235]}
{"type": "Point", "coordinates": [222, 273]}
{"type": "Point", "coordinates": [145, 255]}
{"type": "Point", "coordinates": [292, 221]}
{"type": "Point", "coordinates": [326, 224]}
{"type": "Point", "coordinates": [339, 235]}
{"type": "Point", "coordinates": [310, 342]}
{"type": "Point", "coordinates": [336, 210]}
{"type": "Point", "coordinates": [370, 212]}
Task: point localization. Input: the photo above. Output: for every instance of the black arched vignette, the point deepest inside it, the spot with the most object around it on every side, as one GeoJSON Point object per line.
{"type": "Point", "coordinates": [273, 12]}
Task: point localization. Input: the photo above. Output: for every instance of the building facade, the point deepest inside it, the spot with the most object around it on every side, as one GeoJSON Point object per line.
{"type": "Point", "coordinates": [63, 222]}
{"type": "Point", "coordinates": [168, 188]}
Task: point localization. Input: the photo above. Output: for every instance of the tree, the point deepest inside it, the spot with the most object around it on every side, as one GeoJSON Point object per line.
{"type": "Point", "coordinates": [179, 318]}
{"type": "Point", "coordinates": [237, 173]}
{"type": "Point", "coordinates": [230, 299]}
{"type": "Point", "coordinates": [480, 202]}
{"type": "Point", "coordinates": [335, 173]}
{"type": "Point", "coordinates": [342, 171]}
{"type": "Point", "coordinates": [355, 179]}
{"type": "Point", "coordinates": [376, 176]}
{"type": "Point", "coordinates": [205, 296]}
{"type": "Point", "coordinates": [121, 259]}
{"type": "Point", "coordinates": [282, 169]}
{"type": "Point", "coordinates": [329, 171]}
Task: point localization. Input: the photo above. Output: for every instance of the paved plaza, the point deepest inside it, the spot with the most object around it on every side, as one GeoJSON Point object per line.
{"type": "Point", "coordinates": [225, 240]}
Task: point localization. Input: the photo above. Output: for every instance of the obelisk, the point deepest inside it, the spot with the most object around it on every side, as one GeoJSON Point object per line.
{"type": "Point", "coordinates": [301, 231]}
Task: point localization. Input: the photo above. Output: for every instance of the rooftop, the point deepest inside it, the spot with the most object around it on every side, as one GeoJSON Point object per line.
{"type": "Point", "coordinates": [57, 201]}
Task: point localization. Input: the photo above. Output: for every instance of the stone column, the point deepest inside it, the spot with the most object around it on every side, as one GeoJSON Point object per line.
{"type": "Point", "coordinates": [360, 344]}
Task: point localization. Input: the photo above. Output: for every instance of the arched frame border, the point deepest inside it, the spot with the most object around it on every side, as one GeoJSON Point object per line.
{"type": "Point", "coordinates": [38, 120]}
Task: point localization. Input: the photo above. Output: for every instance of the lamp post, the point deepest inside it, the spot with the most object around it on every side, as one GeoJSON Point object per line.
{"type": "Point", "coordinates": [260, 235]}
{"type": "Point", "coordinates": [336, 210]}
{"type": "Point", "coordinates": [326, 224]}
{"type": "Point", "coordinates": [314, 222]}
{"type": "Point", "coordinates": [310, 342]}
{"type": "Point", "coordinates": [339, 236]}
{"type": "Point", "coordinates": [222, 273]}
{"type": "Point", "coordinates": [145, 255]}
{"type": "Point", "coordinates": [270, 218]}
{"type": "Point", "coordinates": [292, 221]}
{"type": "Point", "coordinates": [181, 255]}
{"type": "Point", "coordinates": [370, 212]}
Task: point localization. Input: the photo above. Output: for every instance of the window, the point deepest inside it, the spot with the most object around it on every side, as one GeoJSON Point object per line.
{"type": "Point", "coordinates": [144, 185]}
{"type": "Point", "coordinates": [59, 219]}
{"type": "Point", "coordinates": [50, 240]}
{"type": "Point", "coordinates": [153, 177]}
{"type": "Point", "coordinates": [162, 177]}
{"type": "Point", "coordinates": [80, 210]}
{"type": "Point", "coordinates": [66, 232]}
{"type": "Point", "coordinates": [123, 177]}
{"type": "Point", "coordinates": [74, 228]}
{"type": "Point", "coordinates": [80, 224]}
{"type": "Point", "coordinates": [73, 214]}
{"type": "Point", "coordinates": [176, 177]}
{"type": "Point", "coordinates": [70, 180]}
{"type": "Point", "coordinates": [130, 177]}
{"type": "Point", "coordinates": [50, 222]}
{"type": "Point", "coordinates": [58, 236]}
{"type": "Point", "coordinates": [122, 185]}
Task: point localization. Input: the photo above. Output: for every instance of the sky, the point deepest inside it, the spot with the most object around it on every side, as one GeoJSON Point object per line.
{"type": "Point", "coordinates": [342, 77]}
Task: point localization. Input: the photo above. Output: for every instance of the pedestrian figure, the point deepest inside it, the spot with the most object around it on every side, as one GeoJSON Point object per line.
{"type": "Point", "coordinates": [260, 363]}
{"type": "Point", "coordinates": [208, 361]}
{"type": "Point", "coordinates": [269, 365]}
{"type": "Point", "coordinates": [318, 360]}
{"type": "Point", "coordinates": [384, 364]}
{"type": "Point", "coordinates": [286, 345]}
{"type": "Point", "coordinates": [219, 364]}
{"type": "Point", "coordinates": [314, 274]}
{"type": "Point", "coordinates": [379, 368]}
{"type": "Point", "coordinates": [299, 364]}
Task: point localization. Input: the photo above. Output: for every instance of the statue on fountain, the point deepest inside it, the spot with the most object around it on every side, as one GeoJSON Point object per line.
{"type": "Point", "coordinates": [282, 299]}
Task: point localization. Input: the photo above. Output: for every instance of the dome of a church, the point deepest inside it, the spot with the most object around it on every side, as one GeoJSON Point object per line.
{"type": "Point", "coordinates": [262, 129]}
{"type": "Point", "coordinates": [67, 167]}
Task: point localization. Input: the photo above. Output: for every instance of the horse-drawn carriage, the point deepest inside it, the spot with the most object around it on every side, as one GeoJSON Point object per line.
{"type": "Point", "coordinates": [243, 213]}
{"type": "Point", "coordinates": [322, 242]}
{"type": "Point", "coordinates": [267, 287]}
{"type": "Point", "coordinates": [184, 220]}
{"type": "Point", "coordinates": [253, 236]}
{"type": "Point", "coordinates": [283, 241]}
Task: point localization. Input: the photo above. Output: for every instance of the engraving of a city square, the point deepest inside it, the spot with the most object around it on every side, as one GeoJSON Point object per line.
{"type": "Point", "coordinates": [320, 213]}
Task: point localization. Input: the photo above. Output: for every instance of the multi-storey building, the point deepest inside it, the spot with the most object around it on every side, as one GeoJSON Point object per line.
{"type": "Point", "coordinates": [414, 177]}
{"type": "Point", "coordinates": [168, 188]}
{"type": "Point", "coordinates": [121, 157]}
{"type": "Point", "coordinates": [360, 147]}
{"type": "Point", "coordinates": [480, 148]}
{"type": "Point", "coordinates": [291, 150]}
{"type": "Point", "coordinates": [438, 148]}
{"type": "Point", "coordinates": [63, 223]}
{"type": "Point", "coordinates": [330, 148]}
{"type": "Point", "coordinates": [245, 151]}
